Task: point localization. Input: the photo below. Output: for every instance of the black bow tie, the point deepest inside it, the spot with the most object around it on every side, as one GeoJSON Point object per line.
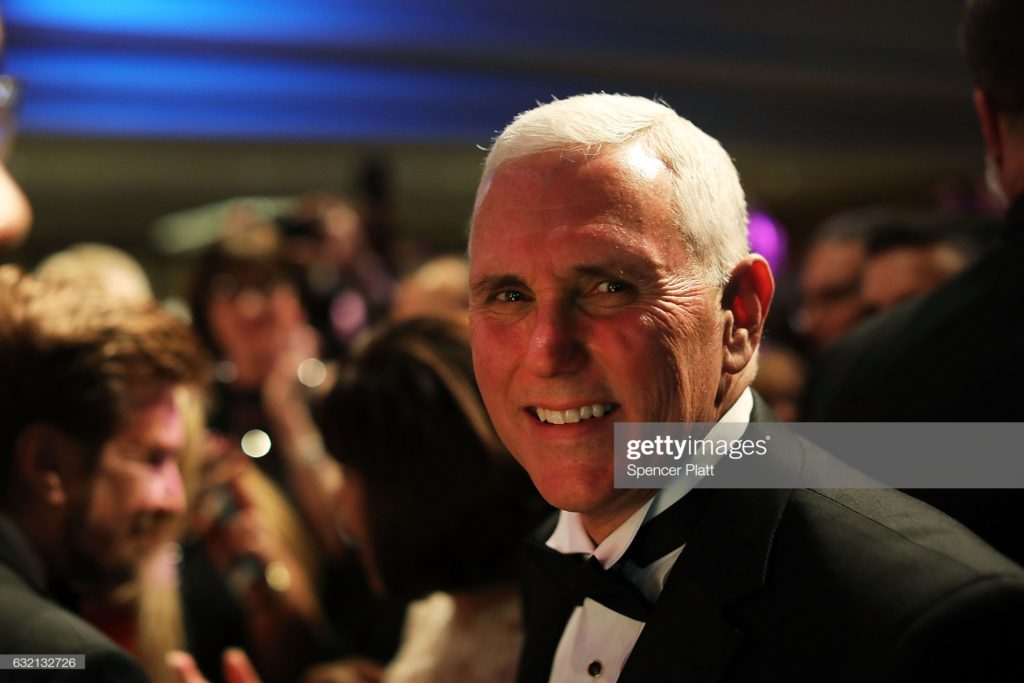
{"type": "Point", "coordinates": [579, 576]}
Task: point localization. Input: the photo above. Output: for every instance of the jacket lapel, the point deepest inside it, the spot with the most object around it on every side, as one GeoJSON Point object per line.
{"type": "Point", "coordinates": [689, 636]}
{"type": "Point", "coordinates": [545, 612]}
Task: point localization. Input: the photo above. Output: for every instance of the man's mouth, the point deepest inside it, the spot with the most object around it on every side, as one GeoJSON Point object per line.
{"type": "Point", "coordinates": [150, 528]}
{"type": "Point", "coordinates": [573, 415]}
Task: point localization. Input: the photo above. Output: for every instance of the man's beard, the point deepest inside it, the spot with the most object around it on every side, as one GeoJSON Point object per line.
{"type": "Point", "coordinates": [93, 570]}
{"type": "Point", "coordinates": [992, 182]}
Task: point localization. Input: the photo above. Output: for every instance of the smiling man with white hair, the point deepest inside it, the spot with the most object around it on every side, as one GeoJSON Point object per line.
{"type": "Point", "coordinates": [611, 281]}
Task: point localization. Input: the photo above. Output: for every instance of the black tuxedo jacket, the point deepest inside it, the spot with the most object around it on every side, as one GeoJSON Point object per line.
{"type": "Point", "coordinates": [31, 623]}
{"type": "Point", "coordinates": [822, 585]}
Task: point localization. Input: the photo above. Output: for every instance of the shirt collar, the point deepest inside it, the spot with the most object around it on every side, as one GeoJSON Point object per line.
{"type": "Point", "coordinates": [569, 535]}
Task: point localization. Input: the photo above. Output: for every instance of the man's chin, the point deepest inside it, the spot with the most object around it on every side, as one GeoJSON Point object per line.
{"type": "Point", "coordinates": [582, 499]}
{"type": "Point", "coordinates": [100, 580]}
{"type": "Point", "coordinates": [98, 571]}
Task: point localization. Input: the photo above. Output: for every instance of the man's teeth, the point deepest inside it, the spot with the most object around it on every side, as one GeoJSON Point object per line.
{"type": "Point", "coordinates": [561, 417]}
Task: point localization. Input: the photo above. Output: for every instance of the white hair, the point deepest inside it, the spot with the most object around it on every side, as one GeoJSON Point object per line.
{"type": "Point", "coordinates": [710, 208]}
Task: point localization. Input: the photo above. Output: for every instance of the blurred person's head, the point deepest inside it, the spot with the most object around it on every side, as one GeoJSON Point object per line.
{"type": "Point", "coordinates": [780, 381]}
{"type": "Point", "coordinates": [830, 282]}
{"type": "Point", "coordinates": [430, 498]}
{"type": "Point", "coordinates": [15, 212]}
{"type": "Point", "coordinates": [610, 280]}
{"type": "Point", "coordinates": [906, 259]}
{"type": "Point", "coordinates": [991, 32]}
{"type": "Point", "coordinates": [90, 429]}
{"type": "Point", "coordinates": [112, 269]}
{"type": "Point", "coordinates": [244, 303]}
{"type": "Point", "coordinates": [439, 288]}
{"type": "Point", "coordinates": [343, 282]}
{"type": "Point", "coordinates": [323, 228]}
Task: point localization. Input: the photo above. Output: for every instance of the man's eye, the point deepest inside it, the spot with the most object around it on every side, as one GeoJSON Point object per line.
{"type": "Point", "coordinates": [611, 287]}
{"type": "Point", "coordinates": [508, 296]}
{"type": "Point", "coordinates": [158, 459]}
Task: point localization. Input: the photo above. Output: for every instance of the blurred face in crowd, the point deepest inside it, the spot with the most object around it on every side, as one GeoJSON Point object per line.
{"type": "Point", "coordinates": [897, 275]}
{"type": "Point", "coordinates": [122, 511]}
{"type": "Point", "coordinates": [252, 320]}
{"type": "Point", "coordinates": [830, 290]}
{"type": "Point", "coordinates": [585, 309]}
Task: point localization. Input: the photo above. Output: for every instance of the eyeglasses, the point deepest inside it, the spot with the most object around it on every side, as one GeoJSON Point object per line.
{"type": "Point", "coordinates": [10, 89]}
{"type": "Point", "coordinates": [227, 287]}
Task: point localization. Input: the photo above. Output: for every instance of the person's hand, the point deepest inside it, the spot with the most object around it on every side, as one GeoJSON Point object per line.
{"type": "Point", "coordinates": [247, 550]}
{"type": "Point", "coordinates": [237, 667]}
{"type": "Point", "coordinates": [348, 670]}
{"type": "Point", "coordinates": [223, 465]}
{"type": "Point", "coordinates": [283, 394]}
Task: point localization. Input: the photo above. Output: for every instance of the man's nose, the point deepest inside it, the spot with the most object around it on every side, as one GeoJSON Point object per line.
{"type": "Point", "coordinates": [167, 490]}
{"type": "Point", "coordinates": [555, 345]}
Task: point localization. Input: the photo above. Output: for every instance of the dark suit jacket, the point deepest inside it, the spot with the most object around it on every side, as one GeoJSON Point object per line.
{"type": "Point", "coordinates": [823, 585]}
{"type": "Point", "coordinates": [31, 623]}
{"type": "Point", "coordinates": [953, 356]}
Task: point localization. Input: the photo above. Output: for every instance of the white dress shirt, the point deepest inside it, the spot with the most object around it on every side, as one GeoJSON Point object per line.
{"type": "Point", "coordinates": [597, 640]}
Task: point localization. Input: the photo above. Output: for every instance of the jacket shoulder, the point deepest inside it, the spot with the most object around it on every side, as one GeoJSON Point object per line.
{"type": "Point", "coordinates": [32, 624]}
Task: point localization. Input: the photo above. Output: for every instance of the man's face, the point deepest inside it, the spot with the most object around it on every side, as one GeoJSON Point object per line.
{"type": "Point", "coordinates": [253, 322]}
{"type": "Point", "coordinates": [899, 274]}
{"type": "Point", "coordinates": [123, 512]}
{"type": "Point", "coordinates": [830, 288]}
{"type": "Point", "coordinates": [584, 301]}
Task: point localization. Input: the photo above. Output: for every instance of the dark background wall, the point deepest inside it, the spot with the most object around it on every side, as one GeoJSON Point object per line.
{"type": "Point", "coordinates": [135, 110]}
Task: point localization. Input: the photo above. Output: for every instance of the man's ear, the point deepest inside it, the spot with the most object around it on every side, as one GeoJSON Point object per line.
{"type": "Point", "coordinates": [40, 463]}
{"type": "Point", "coordinates": [992, 126]}
{"type": "Point", "coordinates": [746, 300]}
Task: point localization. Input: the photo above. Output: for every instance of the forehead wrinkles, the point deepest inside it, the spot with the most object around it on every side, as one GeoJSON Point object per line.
{"type": "Point", "coordinates": [602, 185]}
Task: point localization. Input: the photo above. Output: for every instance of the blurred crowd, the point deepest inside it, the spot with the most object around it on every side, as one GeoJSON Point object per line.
{"type": "Point", "coordinates": [301, 465]}
{"type": "Point", "coordinates": [344, 504]}
{"type": "Point", "coordinates": [340, 502]}
{"type": "Point", "coordinates": [858, 264]}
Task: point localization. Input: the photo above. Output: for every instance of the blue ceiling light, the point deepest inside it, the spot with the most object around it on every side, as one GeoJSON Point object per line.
{"type": "Point", "coordinates": [254, 69]}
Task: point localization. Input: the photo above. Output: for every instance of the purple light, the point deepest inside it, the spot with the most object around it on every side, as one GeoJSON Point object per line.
{"type": "Point", "coordinates": [768, 238]}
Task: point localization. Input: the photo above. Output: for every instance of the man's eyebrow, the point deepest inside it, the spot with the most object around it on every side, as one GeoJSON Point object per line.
{"type": "Point", "coordinates": [490, 283]}
{"type": "Point", "coordinates": [615, 269]}
{"type": "Point", "coordinates": [144, 445]}
{"type": "Point", "coordinates": [600, 270]}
